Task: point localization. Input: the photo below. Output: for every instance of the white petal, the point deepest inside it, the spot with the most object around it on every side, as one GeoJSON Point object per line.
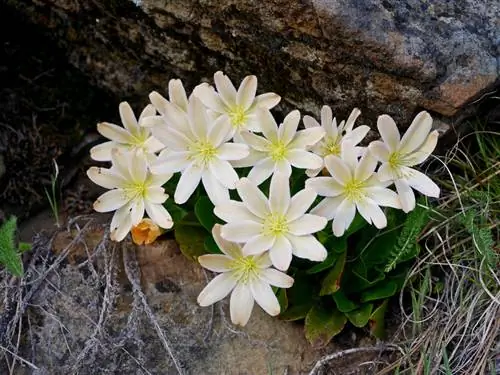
{"type": "Point", "coordinates": [220, 286]}
{"type": "Point", "coordinates": [310, 122]}
{"type": "Point", "coordinates": [246, 92]}
{"type": "Point", "coordinates": [267, 100]}
{"type": "Point", "coordinates": [281, 253]}
{"type": "Point", "coordinates": [383, 197]}
{"type": "Point", "coordinates": [102, 152]}
{"type": "Point", "coordinates": [288, 129]}
{"type": "Point", "coordinates": [372, 213]}
{"type": "Point", "coordinates": [279, 193]}
{"type": "Point", "coordinates": [148, 111]}
{"type": "Point", "coordinates": [338, 169]}
{"type": "Point", "coordinates": [386, 173]}
{"type": "Point", "coordinates": [389, 132]}
{"type": "Point", "coordinates": [324, 186]}
{"type": "Point", "coordinates": [327, 118]}
{"type": "Point", "coordinates": [223, 172]}
{"type": "Point", "coordinates": [198, 118]}
{"type": "Point", "coordinates": [174, 140]}
{"type": "Point", "coordinates": [357, 135]}
{"type": "Point", "coordinates": [138, 167]}
{"type": "Point", "coordinates": [158, 101]}
{"type": "Point", "coordinates": [153, 121]}
{"type": "Point", "coordinates": [304, 160]}
{"type": "Point", "coordinates": [209, 97]}
{"type": "Point", "coordinates": [328, 207]}
{"type": "Point", "coordinates": [120, 163]}
{"type": "Point", "coordinates": [255, 141]}
{"type": "Point", "coordinates": [276, 278]}
{"type": "Point", "coordinates": [308, 247]}
{"type": "Point", "coordinates": [300, 203]}
{"type": "Point", "coordinates": [120, 218]}
{"type": "Point", "coordinates": [264, 296]}
{"type": "Point", "coordinates": [253, 198]}
{"type": "Point", "coordinates": [267, 124]}
{"type": "Point", "coordinates": [258, 244]}
{"type": "Point", "coordinates": [233, 151]}
{"type": "Point", "coordinates": [177, 94]}
{"type": "Point", "coordinates": [111, 200]}
{"type": "Point", "coordinates": [283, 167]}
{"type": "Point", "coordinates": [233, 211]}
{"type": "Point", "coordinates": [225, 88]}
{"type": "Point", "coordinates": [114, 132]}
{"type": "Point", "coordinates": [307, 137]}
{"type": "Point", "coordinates": [420, 155]}
{"type": "Point", "coordinates": [351, 120]}
{"type": "Point", "coordinates": [343, 217]}
{"type": "Point", "coordinates": [216, 191]}
{"type": "Point", "coordinates": [156, 194]}
{"type": "Point", "coordinates": [231, 249]}
{"type": "Point", "coordinates": [215, 262]}
{"type": "Point", "coordinates": [307, 224]}
{"type": "Point", "coordinates": [379, 150]}
{"type": "Point", "coordinates": [423, 184]}
{"type": "Point", "coordinates": [123, 228]}
{"type": "Point", "coordinates": [263, 260]}
{"type": "Point", "coordinates": [170, 162]}
{"type": "Point", "coordinates": [220, 131]}
{"type": "Point", "coordinates": [159, 215]}
{"type": "Point", "coordinates": [417, 133]}
{"type": "Point", "coordinates": [137, 211]}
{"type": "Point", "coordinates": [241, 305]}
{"type": "Point", "coordinates": [190, 178]}
{"type": "Point", "coordinates": [105, 177]}
{"type": "Point", "coordinates": [153, 145]}
{"type": "Point", "coordinates": [241, 231]}
{"type": "Point", "coordinates": [366, 167]}
{"type": "Point", "coordinates": [349, 154]}
{"type": "Point", "coordinates": [253, 158]}
{"type": "Point", "coordinates": [406, 195]}
{"type": "Point", "coordinates": [128, 118]}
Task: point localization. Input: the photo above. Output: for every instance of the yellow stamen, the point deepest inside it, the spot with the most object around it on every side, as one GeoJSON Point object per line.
{"type": "Point", "coordinates": [278, 151]}
{"type": "Point", "coordinates": [203, 152]}
{"type": "Point", "coordinates": [331, 147]}
{"type": "Point", "coordinates": [275, 224]}
{"type": "Point", "coordinates": [245, 269]}
{"type": "Point", "coordinates": [237, 116]}
{"type": "Point", "coordinates": [354, 190]}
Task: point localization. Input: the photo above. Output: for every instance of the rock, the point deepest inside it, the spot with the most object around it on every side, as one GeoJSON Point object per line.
{"type": "Point", "coordinates": [384, 56]}
{"type": "Point", "coordinates": [107, 308]}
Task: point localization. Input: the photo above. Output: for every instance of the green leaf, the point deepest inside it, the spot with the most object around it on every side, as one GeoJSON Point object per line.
{"type": "Point", "coordinates": [331, 283]}
{"type": "Point", "coordinates": [282, 299]}
{"type": "Point", "coordinates": [9, 256]}
{"type": "Point", "coordinates": [377, 321]}
{"type": "Point", "coordinates": [359, 317]}
{"type": "Point", "coordinates": [322, 324]}
{"type": "Point", "coordinates": [210, 246]}
{"type": "Point", "coordinates": [327, 263]}
{"type": "Point", "coordinates": [24, 246]}
{"type": "Point", "coordinates": [178, 213]}
{"type": "Point", "coordinates": [304, 290]}
{"type": "Point", "coordinates": [204, 211]}
{"type": "Point", "coordinates": [343, 303]}
{"type": "Point", "coordinates": [296, 312]}
{"type": "Point", "coordinates": [191, 237]}
{"type": "Point", "coordinates": [385, 289]}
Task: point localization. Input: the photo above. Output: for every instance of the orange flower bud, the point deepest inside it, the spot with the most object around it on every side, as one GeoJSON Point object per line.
{"type": "Point", "coordinates": [146, 232]}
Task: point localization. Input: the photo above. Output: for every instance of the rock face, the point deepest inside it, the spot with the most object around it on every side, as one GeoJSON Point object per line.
{"type": "Point", "coordinates": [98, 307]}
{"type": "Point", "coordinates": [384, 56]}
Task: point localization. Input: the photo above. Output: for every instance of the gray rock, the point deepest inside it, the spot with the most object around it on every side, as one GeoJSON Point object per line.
{"type": "Point", "coordinates": [384, 56]}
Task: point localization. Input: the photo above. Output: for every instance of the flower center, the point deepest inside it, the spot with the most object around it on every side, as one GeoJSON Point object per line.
{"type": "Point", "coordinates": [354, 190]}
{"type": "Point", "coordinates": [204, 152]}
{"type": "Point", "coordinates": [136, 190]}
{"type": "Point", "coordinates": [237, 116]}
{"type": "Point", "coordinates": [278, 151]}
{"type": "Point", "coordinates": [395, 160]}
{"type": "Point", "coordinates": [331, 146]}
{"type": "Point", "coordinates": [245, 269]}
{"type": "Point", "coordinates": [275, 224]}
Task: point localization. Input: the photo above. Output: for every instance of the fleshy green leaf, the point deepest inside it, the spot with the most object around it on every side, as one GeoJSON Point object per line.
{"type": "Point", "coordinates": [322, 324]}
{"type": "Point", "coordinates": [331, 283]}
{"type": "Point", "coordinates": [295, 312]}
{"type": "Point", "coordinates": [191, 237]}
{"type": "Point", "coordinates": [377, 322]}
{"type": "Point", "coordinates": [9, 256]}
{"type": "Point", "coordinates": [385, 289]}
{"type": "Point", "coordinates": [282, 299]}
{"type": "Point", "coordinates": [211, 246]}
{"type": "Point", "coordinates": [204, 211]}
{"type": "Point", "coordinates": [327, 263]}
{"type": "Point", "coordinates": [177, 212]}
{"type": "Point", "coordinates": [359, 317]}
{"type": "Point", "coordinates": [343, 303]}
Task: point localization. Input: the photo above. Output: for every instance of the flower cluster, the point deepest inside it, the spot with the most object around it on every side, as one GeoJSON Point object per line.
{"type": "Point", "coordinates": [227, 139]}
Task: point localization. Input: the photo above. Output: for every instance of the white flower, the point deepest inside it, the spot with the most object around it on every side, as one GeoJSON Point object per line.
{"type": "Point", "coordinates": [249, 278]}
{"type": "Point", "coordinates": [239, 106]}
{"type": "Point", "coordinates": [278, 224]}
{"type": "Point", "coordinates": [198, 148]}
{"type": "Point", "coordinates": [280, 148]}
{"type": "Point", "coordinates": [353, 185]}
{"type": "Point", "coordinates": [331, 144]}
{"type": "Point", "coordinates": [133, 137]}
{"type": "Point", "coordinates": [398, 155]}
{"type": "Point", "coordinates": [133, 189]}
